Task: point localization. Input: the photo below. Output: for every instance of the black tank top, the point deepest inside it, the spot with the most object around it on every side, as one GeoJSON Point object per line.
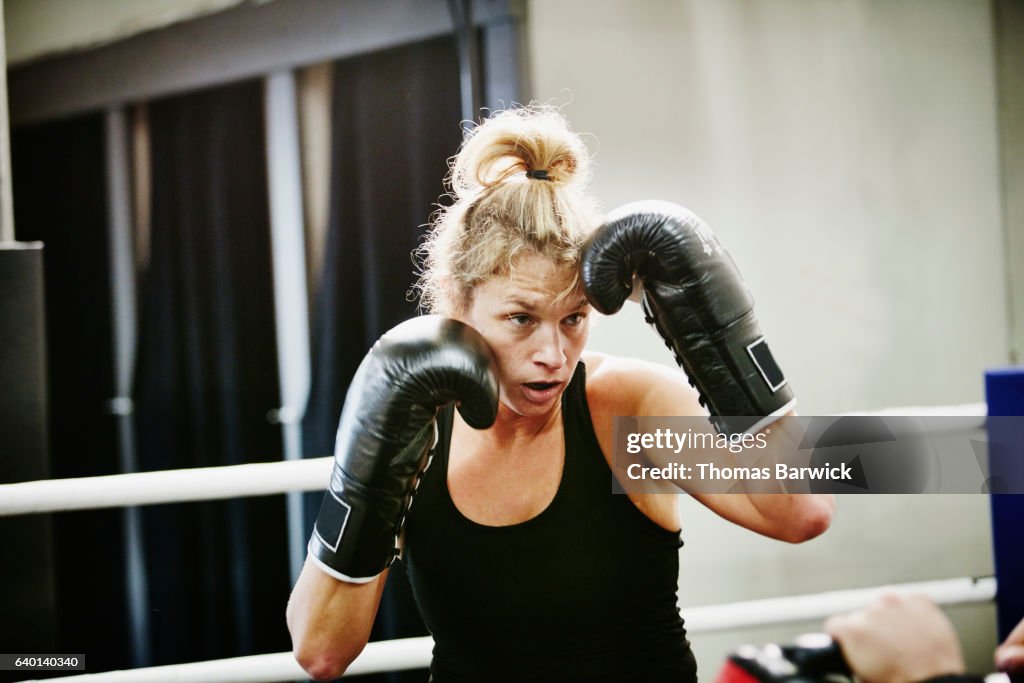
{"type": "Point", "coordinates": [584, 591]}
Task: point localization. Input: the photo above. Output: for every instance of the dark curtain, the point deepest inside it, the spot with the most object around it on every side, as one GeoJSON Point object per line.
{"type": "Point", "coordinates": [207, 377]}
{"type": "Point", "coordinates": [60, 199]}
{"type": "Point", "coordinates": [395, 123]}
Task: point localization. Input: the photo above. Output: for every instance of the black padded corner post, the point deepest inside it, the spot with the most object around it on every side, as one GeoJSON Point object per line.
{"type": "Point", "coordinates": [26, 574]}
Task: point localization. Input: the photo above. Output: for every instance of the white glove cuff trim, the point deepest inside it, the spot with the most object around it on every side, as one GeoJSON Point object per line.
{"type": "Point", "coordinates": [774, 417]}
{"type": "Point", "coordinates": [335, 573]}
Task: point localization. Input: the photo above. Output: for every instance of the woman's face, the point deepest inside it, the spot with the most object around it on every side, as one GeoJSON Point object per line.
{"type": "Point", "coordinates": [537, 338]}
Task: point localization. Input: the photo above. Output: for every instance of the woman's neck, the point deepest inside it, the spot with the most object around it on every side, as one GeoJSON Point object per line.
{"type": "Point", "coordinates": [511, 428]}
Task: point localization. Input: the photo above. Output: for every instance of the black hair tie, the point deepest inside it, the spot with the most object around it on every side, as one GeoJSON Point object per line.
{"type": "Point", "coordinates": [537, 175]}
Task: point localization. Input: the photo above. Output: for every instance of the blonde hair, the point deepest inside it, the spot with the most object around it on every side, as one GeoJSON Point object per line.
{"type": "Point", "coordinates": [518, 186]}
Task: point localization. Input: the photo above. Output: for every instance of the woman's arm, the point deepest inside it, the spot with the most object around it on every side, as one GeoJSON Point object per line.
{"type": "Point", "coordinates": [382, 448]}
{"type": "Point", "coordinates": [330, 620]}
{"type": "Point", "coordinates": [623, 386]}
{"type": "Point", "coordinates": [790, 517]}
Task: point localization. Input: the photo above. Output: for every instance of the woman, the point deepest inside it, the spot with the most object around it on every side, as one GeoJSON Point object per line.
{"type": "Point", "coordinates": [523, 562]}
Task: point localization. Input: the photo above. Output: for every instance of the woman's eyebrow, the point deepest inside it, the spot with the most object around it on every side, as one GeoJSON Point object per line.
{"type": "Point", "coordinates": [519, 303]}
{"type": "Point", "coordinates": [532, 307]}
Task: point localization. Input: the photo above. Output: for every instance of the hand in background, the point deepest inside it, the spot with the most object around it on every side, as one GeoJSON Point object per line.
{"type": "Point", "coordinates": [1010, 655]}
{"type": "Point", "coordinates": [898, 639]}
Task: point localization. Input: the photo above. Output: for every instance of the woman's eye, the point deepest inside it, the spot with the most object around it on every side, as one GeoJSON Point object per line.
{"type": "Point", "coordinates": [519, 319]}
{"type": "Point", "coordinates": [575, 318]}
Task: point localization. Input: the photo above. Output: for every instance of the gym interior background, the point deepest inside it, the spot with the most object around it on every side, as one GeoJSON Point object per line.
{"type": "Point", "coordinates": [863, 162]}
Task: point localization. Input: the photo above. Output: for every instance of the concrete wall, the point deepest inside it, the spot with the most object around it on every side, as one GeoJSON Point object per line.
{"type": "Point", "coordinates": [1009, 22]}
{"type": "Point", "coordinates": [847, 154]}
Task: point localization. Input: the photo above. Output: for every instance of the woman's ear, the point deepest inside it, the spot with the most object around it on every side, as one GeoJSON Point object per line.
{"type": "Point", "coordinates": [450, 302]}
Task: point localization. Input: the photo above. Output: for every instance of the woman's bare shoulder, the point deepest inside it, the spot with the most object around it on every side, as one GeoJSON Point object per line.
{"type": "Point", "coordinates": [618, 385]}
{"type": "Point", "coordinates": [603, 368]}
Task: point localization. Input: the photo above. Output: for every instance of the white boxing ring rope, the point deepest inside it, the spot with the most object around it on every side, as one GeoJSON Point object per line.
{"type": "Point", "coordinates": [235, 481]}
{"type": "Point", "coordinates": [167, 486]}
{"type": "Point", "coordinates": [212, 483]}
{"type": "Point", "coordinates": [414, 653]}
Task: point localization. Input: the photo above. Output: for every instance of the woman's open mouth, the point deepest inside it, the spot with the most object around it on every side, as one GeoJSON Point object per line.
{"type": "Point", "coordinates": [541, 392]}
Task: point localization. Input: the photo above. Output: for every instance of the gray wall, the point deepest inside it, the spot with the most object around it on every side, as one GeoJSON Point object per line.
{"type": "Point", "coordinates": [847, 153]}
{"type": "Point", "coordinates": [1009, 20]}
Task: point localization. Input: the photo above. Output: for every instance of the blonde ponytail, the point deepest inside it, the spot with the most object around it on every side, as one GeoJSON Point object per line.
{"type": "Point", "coordinates": [519, 186]}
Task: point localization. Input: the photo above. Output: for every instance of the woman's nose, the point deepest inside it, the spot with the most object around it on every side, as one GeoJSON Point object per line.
{"type": "Point", "coordinates": [551, 350]}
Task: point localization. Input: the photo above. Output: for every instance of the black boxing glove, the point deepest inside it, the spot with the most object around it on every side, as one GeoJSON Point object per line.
{"type": "Point", "coordinates": [386, 433]}
{"type": "Point", "coordinates": [696, 299]}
